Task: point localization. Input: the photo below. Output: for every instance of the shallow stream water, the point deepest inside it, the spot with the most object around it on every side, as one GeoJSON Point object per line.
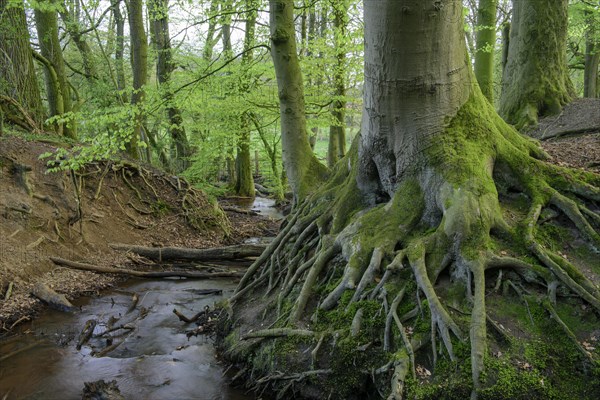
{"type": "Point", "coordinates": [156, 360]}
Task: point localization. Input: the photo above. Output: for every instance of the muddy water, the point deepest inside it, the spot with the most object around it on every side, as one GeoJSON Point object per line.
{"type": "Point", "coordinates": [156, 361]}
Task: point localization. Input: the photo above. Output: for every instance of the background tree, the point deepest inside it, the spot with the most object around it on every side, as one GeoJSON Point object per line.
{"type": "Point", "coordinates": [535, 81]}
{"type": "Point", "coordinates": [159, 23]}
{"type": "Point", "coordinates": [17, 73]}
{"type": "Point", "coordinates": [485, 46]}
{"type": "Point", "coordinates": [244, 184]}
{"type": "Point", "coordinates": [304, 171]}
{"type": "Point", "coordinates": [337, 131]}
{"type": "Point", "coordinates": [57, 85]}
{"type": "Point", "coordinates": [592, 51]}
{"type": "Point", "coordinates": [139, 62]}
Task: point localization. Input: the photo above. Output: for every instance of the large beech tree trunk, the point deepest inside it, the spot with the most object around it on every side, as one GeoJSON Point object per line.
{"type": "Point", "coordinates": [400, 83]}
{"type": "Point", "coordinates": [389, 257]}
{"type": "Point", "coordinates": [17, 73]}
{"type": "Point", "coordinates": [303, 169]}
{"type": "Point", "coordinates": [485, 44]}
{"type": "Point", "coordinates": [536, 82]}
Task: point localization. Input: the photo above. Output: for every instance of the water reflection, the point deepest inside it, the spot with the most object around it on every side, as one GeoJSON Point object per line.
{"type": "Point", "coordinates": [157, 361]}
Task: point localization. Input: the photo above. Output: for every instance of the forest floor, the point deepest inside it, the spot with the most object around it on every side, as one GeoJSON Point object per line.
{"type": "Point", "coordinates": [76, 216]}
{"type": "Point", "coordinates": [573, 137]}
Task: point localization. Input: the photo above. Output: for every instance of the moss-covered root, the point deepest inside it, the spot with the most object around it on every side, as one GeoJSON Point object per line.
{"type": "Point", "coordinates": [439, 316]}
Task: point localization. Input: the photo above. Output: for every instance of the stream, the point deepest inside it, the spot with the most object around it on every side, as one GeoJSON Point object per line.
{"type": "Point", "coordinates": [155, 360]}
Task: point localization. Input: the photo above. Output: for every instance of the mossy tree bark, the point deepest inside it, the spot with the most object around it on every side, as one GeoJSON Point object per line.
{"type": "Point", "coordinates": [59, 93]}
{"type": "Point", "coordinates": [139, 65]}
{"type": "Point", "coordinates": [303, 169]}
{"type": "Point", "coordinates": [17, 73]}
{"type": "Point", "coordinates": [485, 42]}
{"type": "Point", "coordinates": [337, 131]}
{"type": "Point", "coordinates": [536, 82]}
{"type": "Point", "coordinates": [423, 193]}
{"type": "Point", "coordinates": [159, 28]}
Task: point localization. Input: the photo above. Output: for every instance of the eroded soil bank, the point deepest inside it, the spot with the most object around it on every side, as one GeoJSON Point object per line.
{"type": "Point", "coordinates": [77, 215]}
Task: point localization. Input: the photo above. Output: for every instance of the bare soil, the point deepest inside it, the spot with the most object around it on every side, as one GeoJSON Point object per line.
{"type": "Point", "coordinates": [76, 216]}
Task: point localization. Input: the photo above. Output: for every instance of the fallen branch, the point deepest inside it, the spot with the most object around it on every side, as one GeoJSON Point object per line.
{"type": "Point", "coordinates": [86, 333]}
{"type": "Point", "coordinates": [144, 274]}
{"type": "Point", "coordinates": [8, 291]}
{"type": "Point", "coordinates": [277, 332]}
{"type": "Point", "coordinates": [53, 299]}
{"type": "Point", "coordinates": [188, 254]}
{"type": "Point", "coordinates": [187, 320]}
{"type": "Point", "coordinates": [239, 210]}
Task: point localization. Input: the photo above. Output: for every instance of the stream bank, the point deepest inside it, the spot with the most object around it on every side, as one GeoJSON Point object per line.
{"type": "Point", "coordinates": [155, 356]}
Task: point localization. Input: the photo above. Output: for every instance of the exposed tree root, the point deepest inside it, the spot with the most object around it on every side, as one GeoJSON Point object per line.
{"type": "Point", "coordinates": [449, 218]}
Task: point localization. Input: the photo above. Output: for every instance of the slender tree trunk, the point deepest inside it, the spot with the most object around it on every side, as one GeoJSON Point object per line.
{"type": "Point", "coordinates": [159, 20]}
{"type": "Point", "coordinates": [119, 47]}
{"type": "Point", "coordinates": [592, 56]}
{"type": "Point", "coordinates": [17, 73]}
{"type": "Point", "coordinates": [312, 33]}
{"type": "Point", "coordinates": [536, 82]}
{"type": "Point", "coordinates": [139, 63]}
{"type": "Point", "coordinates": [209, 44]}
{"type": "Point", "coordinates": [228, 53]}
{"type": "Point", "coordinates": [59, 101]}
{"type": "Point", "coordinates": [87, 57]}
{"type": "Point", "coordinates": [485, 42]}
{"type": "Point", "coordinates": [505, 46]}
{"type": "Point", "coordinates": [244, 185]}
{"type": "Point", "coordinates": [337, 131]}
{"type": "Point", "coordinates": [303, 170]}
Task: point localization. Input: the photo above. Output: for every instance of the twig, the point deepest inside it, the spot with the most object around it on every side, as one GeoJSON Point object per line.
{"type": "Point", "coordinates": [8, 291]}
{"type": "Point", "coordinates": [277, 332]}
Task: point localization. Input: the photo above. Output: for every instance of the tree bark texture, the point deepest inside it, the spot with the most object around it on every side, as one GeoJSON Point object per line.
{"type": "Point", "coordinates": [303, 170]}
{"type": "Point", "coordinates": [416, 77]}
{"type": "Point", "coordinates": [17, 72]}
{"type": "Point", "coordinates": [485, 42]}
{"type": "Point", "coordinates": [536, 82]}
